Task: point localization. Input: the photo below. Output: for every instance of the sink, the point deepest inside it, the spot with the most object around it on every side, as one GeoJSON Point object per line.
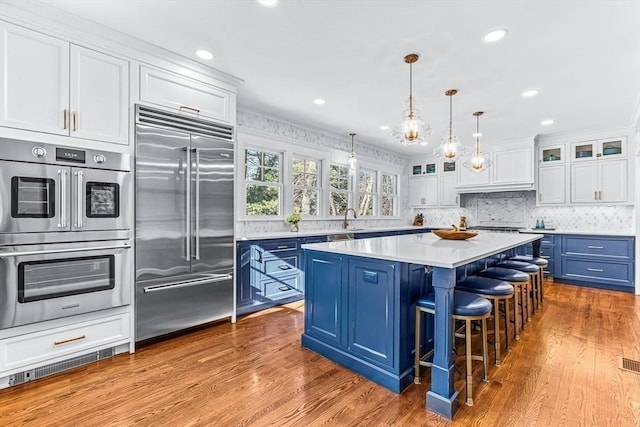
{"type": "Point", "coordinates": [339, 236]}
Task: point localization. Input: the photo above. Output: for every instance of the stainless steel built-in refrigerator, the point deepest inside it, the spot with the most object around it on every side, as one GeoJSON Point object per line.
{"type": "Point", "coordinates": [184, 222]}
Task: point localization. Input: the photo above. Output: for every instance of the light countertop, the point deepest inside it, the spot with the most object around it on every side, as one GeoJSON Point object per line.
{"type": "Point", "coordinates": [585, 233]}
{"type": "Point", "coordinates": [427, 248]}
{"type": "Point", "coordinates": [326, 232]}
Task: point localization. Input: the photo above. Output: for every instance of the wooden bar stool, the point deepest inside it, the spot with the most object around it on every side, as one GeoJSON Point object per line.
{"type": "Point", "coordinates": [532, 270]}
{"type": "Point", "coordinates": [495, 291]}
{"type": "Point", "coordinates": [543, 264]}
{"type": "Point", "coordinates": [519, 281]}
{"type": "Point", "coordinates": [467, 308]}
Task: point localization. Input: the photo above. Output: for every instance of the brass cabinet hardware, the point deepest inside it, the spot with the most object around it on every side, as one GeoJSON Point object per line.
{"type": "Point", "coordinates": [186, 107]}
{"type": "Point", "coordinates": [74, 116]}
{"type": "Point", "coordinates": [64, 119]}
{"type": "Point", "coordinates": [81, 337]}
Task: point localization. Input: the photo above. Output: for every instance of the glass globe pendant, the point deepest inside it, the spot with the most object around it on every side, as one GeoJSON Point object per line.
{"type": "Point", "coordinates": [450, 147]}
{"type": "Point", "coordinates": [411, 130]}
{"type": "Point", "coordinates": [353, 162]}
{"type": "Point", "coordinates": [479, 161]}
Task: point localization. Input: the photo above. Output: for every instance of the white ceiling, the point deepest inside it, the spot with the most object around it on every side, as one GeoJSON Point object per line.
{"type": "Point", "coordinates": [583, 55]}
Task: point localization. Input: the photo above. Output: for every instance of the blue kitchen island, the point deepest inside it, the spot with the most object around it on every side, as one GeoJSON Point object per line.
{"type": "Point", "coordinates": [360, 299]}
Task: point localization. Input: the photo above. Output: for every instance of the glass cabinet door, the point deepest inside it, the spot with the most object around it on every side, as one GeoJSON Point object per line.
{"type": "Point", "coordinates": [611, 148]}
{"type": "Point", "coordinates": [551, 155]}
{"type": "Point", "coordinates": [584, 150]}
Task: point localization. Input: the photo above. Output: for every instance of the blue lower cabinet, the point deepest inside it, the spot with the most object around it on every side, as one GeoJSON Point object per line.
{"type": "Point", "coordinates": [269, 272]}
{"type": "Point", "coordinates": [359, 312]}
{"type": "Point", "coordinates": [610, 272]}
{"type": "Point", "coordinates": [325, 298]}
{"type": "Point", "coordinates": [371, 314]}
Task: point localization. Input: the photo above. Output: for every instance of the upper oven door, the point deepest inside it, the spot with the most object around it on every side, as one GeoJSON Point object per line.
{"type": "Point", "coordinates": [100, 200]}
{"type": "Point", "coordinates": [34, 198]}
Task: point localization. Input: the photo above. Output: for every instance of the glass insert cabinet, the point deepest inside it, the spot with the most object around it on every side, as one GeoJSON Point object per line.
{"type": "Point", "coordinates": [589, 150]}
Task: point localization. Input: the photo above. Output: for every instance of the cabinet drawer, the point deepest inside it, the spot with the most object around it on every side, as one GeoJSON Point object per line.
{"type": "Point", "coordinates": [279, 245]}
{"type": "Point", "coordinates": [281, 288]}
{"type": "Point", "coordinates": [57, 343]}
{"type": "Point", "coordinates": [620, 273]}
{"type": "Point", "coordinates": [174, 91]}
{"type": "Point", "coordinates": [610, 247]}
{"type": "Point", "coordinates": [277, 265]}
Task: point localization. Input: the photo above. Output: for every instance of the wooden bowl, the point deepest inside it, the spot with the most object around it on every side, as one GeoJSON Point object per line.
{"type": "Point", "coordinates": [454, 234]}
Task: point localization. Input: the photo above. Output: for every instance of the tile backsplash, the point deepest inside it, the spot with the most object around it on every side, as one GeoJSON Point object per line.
{"type": "Point", "coordinates": [519, 209]}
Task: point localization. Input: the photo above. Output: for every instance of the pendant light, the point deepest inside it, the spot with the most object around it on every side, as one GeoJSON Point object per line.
{"type": "Point", "coordinates": [450, 147]}
{"type": "Point", "coordinates": [353, 162]}
{"type": "Point", "coordinates": [411, 130]}
{"type": "Point", "coordinates": [479, 161]}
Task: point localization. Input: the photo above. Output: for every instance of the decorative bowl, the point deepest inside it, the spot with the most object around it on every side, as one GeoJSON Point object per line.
{"type": "Point", "coordinates": [454, 234]}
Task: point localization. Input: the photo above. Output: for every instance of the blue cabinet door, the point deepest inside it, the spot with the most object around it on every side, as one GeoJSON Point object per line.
{"type": "Point", "coordinates": [372, 310]}
{"type": "Point", "coordinates": [325, 296]}
{"type": "Point", "coordinates": [243, 277]}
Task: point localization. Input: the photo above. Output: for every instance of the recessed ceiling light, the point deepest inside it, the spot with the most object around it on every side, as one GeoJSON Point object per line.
{"type": "Point", "coordinates": [530, 92]}
{"type": "Point", "coordinates": [204, 54]}
{"type": "Point", "coordinates": [546, 122]}
{"type": "Point", "coordinates": [384, 127]}
{"type": "Point", "coordinates": [495, 35]}
{"type": "Point", "coordinates": [269, 3]}
{"type": "Point", "coordinates": [319, 101]}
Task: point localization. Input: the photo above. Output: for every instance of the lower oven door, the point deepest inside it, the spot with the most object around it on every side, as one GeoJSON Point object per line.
{"type": "Point", "coordinates": [44, 282]}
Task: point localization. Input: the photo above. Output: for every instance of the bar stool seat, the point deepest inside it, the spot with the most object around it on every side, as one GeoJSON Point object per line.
{"type": "Point", "coordinates": [466, 307]}
{"type": "Point", "coordinates": [519, 281]}
{"type": "Point", "coordinates": [532, 270]}
{"type": "Point", "coordinates": [495, 291]}
{"type": "Point", "coordinates": [540, 262]}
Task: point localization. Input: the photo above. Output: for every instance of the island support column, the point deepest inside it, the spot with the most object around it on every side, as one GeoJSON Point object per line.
{"type": "Point", "coordinates": [442, 398]}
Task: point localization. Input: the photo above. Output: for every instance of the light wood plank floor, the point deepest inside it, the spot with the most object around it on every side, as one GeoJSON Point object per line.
{"type": "Point", "coordinates": [563, 372]}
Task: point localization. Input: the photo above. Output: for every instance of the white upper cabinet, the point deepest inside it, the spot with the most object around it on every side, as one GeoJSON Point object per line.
{"type": "Point", "coordinates": [436, 187]}
{"type": "Point", "coordinates": [448, 196]}
{"type": "Point", "coordinates": [512, 170]}
{"type": "Point", "coordinates": [164, 88]}
{"type": "Point", "coordinates": [551, 185]}
{"type": "Point", "coordinates": [52, 86]}
{"type": "Point", "coordinates": [599, 172]}
{"type": "Point", "coordinates": [423, 191]}
{"type": "Point", "coordinates": [35, 80]}
{"type": "Point", "coordinates": [99, 96]}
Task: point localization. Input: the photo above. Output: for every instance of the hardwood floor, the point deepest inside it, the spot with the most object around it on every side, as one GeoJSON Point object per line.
{"type": "Point", "coordinates": [563, 372]}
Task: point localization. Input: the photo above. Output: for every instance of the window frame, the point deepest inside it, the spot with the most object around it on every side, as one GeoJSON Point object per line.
{"type": "Point", "coordinates": [246, 182]}
{"type": "Point", "coordinates": [395, 195]}
{"type": "Point", "coordinates": [319, 181]}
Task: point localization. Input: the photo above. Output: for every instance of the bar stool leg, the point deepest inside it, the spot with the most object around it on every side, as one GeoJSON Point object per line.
{"type": "Point", "coordinates": [467, 325]}
{"type": "Point", "coordinates": [496, 329]}
{"type": "Point", "coordinates": [484, 349]}
{"type": "Point", "coordinates": [506, 324]}
{"type": "Point", "coordinates": [516, 309]}
{"type": "Point", "coordinates": [416, 365]}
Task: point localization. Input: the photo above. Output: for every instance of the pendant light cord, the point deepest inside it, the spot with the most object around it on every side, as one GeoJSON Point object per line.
{"type": "Point", "coordinates": [411, 89]}
{"type": "Point", "coordinates": [450, 114]}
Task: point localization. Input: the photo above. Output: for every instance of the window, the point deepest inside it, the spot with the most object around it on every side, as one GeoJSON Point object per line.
{"type": "Point", "coordinates": [338, 189]}
{"type": "Point", "coordinates": [262, 181]}
{"type": "Point", "coordinates": [306, 187]}
{"type": "Point", "coordinates": [367, 187]}
{"type": "Point", "coordinates": [389, 195]}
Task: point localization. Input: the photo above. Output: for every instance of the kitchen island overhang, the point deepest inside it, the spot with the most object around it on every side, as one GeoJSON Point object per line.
{"type": "Point", "coordinates": [360, 297]}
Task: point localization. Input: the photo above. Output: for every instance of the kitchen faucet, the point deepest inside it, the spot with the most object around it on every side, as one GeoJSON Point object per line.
{"type": "Point", "coordinates": [345, 223]}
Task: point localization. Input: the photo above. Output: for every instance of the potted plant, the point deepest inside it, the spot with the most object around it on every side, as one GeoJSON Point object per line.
{"type": "Point", "coordinates": [294, 219]}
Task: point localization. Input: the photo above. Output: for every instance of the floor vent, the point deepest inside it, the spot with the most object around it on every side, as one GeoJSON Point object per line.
{"type": "Point", "coordinates": [630, 365]}
{"type": "Point", "coordinates": [54, 368]}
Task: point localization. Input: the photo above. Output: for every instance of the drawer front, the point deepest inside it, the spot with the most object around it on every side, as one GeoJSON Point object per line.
{"type": "Point", "coordinates": [38, 347]}
{"type": "Point", "coordinates": [280, 288]}
{"type": "Point", "coordinates": [279, 245]}
{"type": "Point", "coordinates": [281, 265]}
{"type": "Point", "coordinates": [619, 273]}
{"type": "Point", "coordinates": [315, 239]}
{"type": "Point", "coordinates": [609, 247]}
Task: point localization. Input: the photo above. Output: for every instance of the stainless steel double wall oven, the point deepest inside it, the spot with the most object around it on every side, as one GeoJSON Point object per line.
{"type": "Point", "coordinates": [65, 231]}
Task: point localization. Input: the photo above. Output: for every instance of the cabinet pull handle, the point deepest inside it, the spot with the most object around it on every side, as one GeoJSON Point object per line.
{"type": "Point", "coordinates": [283, 247]}
{"type": "Point", "coordinates": [64, 119]}
{"type": "Point", "coordinates": [539, 197]}
{"type": "Point", "coordinates": [284, 267]}
{"type": "Point", "coordinates": [595, 195]}
{"type": "Point", "coordinates": [74, 116]}
{"type": "Point", "coordinates": [283, 288]}
{"type": "Point", "coordinates": [186, 107]}
{"type": "Point", "coordinates": [597, 270]}
{"type": "Point", "coordinates": [81, 337]}
{"type": "Point", "coordinates": [545, 256]}
{"type": "Point", "coordinates": [599, 195]}
{"type": "Point", "coordinates": [595, 247]}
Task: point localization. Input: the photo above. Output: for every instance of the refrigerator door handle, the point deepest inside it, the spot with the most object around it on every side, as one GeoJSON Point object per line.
{"type": "Point", "coordinates": [188, 203]}
{"type": "Point", "coordinates": [79, 199]}
{"type": "Point", "coordinates": [211, 278]}
{"type": "Point", "coordinates": [197, 207]}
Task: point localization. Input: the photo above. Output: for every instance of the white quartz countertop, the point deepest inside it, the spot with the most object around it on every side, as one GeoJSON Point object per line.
{"type": "Point", "coordinates": [325, 232]}
{"type": "Point", "coordinates": [584, 233]}
{"type": "Point", "coordinates": [427, 248]}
